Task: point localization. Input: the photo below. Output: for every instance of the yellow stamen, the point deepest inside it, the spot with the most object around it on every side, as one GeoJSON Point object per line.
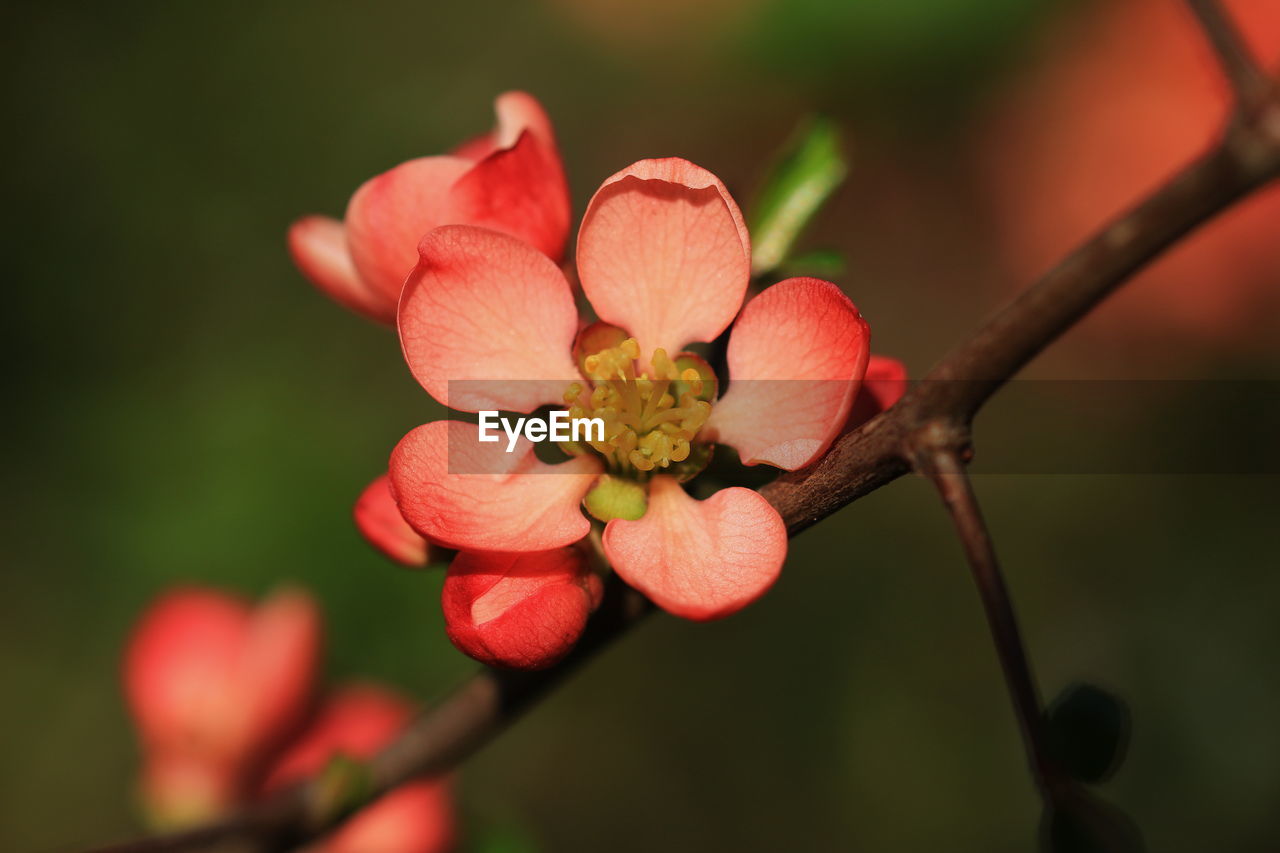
{"type": "Point", "coordinates": [646, 427]}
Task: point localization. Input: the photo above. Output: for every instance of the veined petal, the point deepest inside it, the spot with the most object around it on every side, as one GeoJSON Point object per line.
{"type": "Point", "coordinates": [663, 252]}
{"type": "Point", "coordinates": [379, 521]}
{"type": "Point", "coordinates": [518, 188]}
{"type": "Point", "coordinates": [318, 245]}
{"type": "Point", "coordinates": [475, 496]}
{"type": "Point", "coordinates": [515, 112]}
{"type": "Point", "coordinates": [796, 358]}
{"type": "Point", "coordinates": [699, 559]}
{"type": "Point", "coordinates": [523, 611]}
{"type": "Point", "coordinates": [389, 213]}
{"type": "Point", "coordinates": [487, 322]}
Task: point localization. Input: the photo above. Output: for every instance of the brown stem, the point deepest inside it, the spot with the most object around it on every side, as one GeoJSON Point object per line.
{"type": "Point", "coordinates": [1246, 157]}
{"type": "Point", "coordinates": [940, 459]}
{"type": "Point", "coordinates": [1247, 78]}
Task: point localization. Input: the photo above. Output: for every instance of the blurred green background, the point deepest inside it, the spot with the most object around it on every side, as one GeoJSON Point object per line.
{"type": "Point", "coordinates": [185, 407]}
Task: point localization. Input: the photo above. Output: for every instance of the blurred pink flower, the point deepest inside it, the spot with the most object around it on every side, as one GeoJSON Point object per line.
{"type": "Point", "coordinates": [356, 721]}
{"type": "Point", "coordinates": [213, 684]}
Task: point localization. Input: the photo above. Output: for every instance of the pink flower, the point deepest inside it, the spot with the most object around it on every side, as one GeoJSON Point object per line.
{"type": "Point", "coordinates": [510, 180]}
{"type": "Point", "coordinates": [356, 722]}
{"type": "Point", "coordinates": [213, 684]}
{"type": "Point", "coordinates": [488, 322]}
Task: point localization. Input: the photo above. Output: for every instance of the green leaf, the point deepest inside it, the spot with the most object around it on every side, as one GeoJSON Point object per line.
{"type": "Point", "coordinates": [822, 263]}
{"type": "Point", "coordinates": [1088, 732]}
{"type": "Point", "coordinates": [809, 169]}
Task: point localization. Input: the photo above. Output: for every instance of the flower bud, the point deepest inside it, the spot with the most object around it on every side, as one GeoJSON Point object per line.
{"type": "Point", "coordinates": [523, 611]}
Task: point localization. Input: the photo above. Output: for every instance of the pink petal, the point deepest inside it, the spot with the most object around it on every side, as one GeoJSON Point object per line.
{"type": "Point", "coordinates": [182, 658]}
{"type": "Point", "coordinates": [357, 720]}
{"type": "Point", "coordinates": [476, 496]}
{"type": "Point", "coordinates": [414, 818]}
{"type": "Point", "coordinates": [389, 213]}
{"type": "Point", "coordinates": [318, 245]}
{"type": "Point", "coordinates": [280, 661]}
{"type": "Point", "coordinates": [379, 520]}
{"type": "Point", "coordinates": [482, 316]}
{"type": "Point", "coordinates": [796, 357]}
{"type": "Point", "coordinates": [516, 112]}
{"type": "Point", "coordinates": [519, 188]}
{"type": "Point", "coordinates": [523, 611]}
{"type": "Point", "coordinates": [663, 253]}
{"type": "Point", "coordinates": [699, 559]}
{"type": "Point", "coordinates": [883, 385]}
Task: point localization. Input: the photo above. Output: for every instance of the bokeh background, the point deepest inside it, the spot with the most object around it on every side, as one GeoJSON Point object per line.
{"type": "Point", "coordinates": [183, 407]}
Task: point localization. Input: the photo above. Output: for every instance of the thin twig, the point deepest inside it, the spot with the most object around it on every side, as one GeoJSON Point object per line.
{"type": "Point", "coordinates": [883, 449]}
{"type": "Point", "coordinates": [943, 465]}
{"type": "Point", "coordinates": [1247, 78]}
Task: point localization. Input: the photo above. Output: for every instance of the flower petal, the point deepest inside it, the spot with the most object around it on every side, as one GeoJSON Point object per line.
{"type": "Point", "coordinates": [414, 818]}
{"type": "Point", "coordinates": [699, 559]}
{"type": "Point", "coordinates": [465, 494]}
{"type": "Point", "coordinates": [318, 245]}
{"type": "Point", "coordinates": [523, 611]}
{"type": "Point", "coordinates": [389, 213]}
{"type": "Point", "coordinates": [516, 112]}
{"type": "Point", "coordinates": [519, 188]}
{"type": "Point", "coordinates": [663, 252]}
{"type": "Point", "coordinates": [379, 520]}
{"type": "Point", "coordinates": [180, 661]}
{"type": "Point", "coordinates": [796, 357]}
{"type": "Point", "coordinates": [883, 385]}
{"type": "Point", "coordinates": [280, 661]}
{"type": "Point", "coordinates": [487, 322]}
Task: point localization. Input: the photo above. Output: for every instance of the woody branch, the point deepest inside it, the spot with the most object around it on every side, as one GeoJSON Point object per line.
{"type": "Point", "coordinates": [927, 431]}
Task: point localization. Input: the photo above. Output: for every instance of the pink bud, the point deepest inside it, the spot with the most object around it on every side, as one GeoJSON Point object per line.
{"type": "Point", "coordinates": [523, 611]}
{"type": "Point", "coordinates": [883, 384]}
{"type": "Point", "coordinates": [212, 685]}
{"type": "Point", "coordinates": [356, 722]}
{"type": "Point", "coordinates": [380, 522]}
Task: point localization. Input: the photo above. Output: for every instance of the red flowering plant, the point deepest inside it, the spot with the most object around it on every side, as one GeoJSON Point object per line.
{"type": "Point", "coordinates": [487, 322]}
{"type": "Point", "coordinates": [222, 694]}
{"type": "Point", "coordinates": [510, 179]}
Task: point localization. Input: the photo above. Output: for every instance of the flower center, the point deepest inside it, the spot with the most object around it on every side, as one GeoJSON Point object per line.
{"type": "Point", "coordinates": [650, 418]}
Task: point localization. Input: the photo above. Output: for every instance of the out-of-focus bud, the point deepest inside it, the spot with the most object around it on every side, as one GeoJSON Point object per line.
{"type": "Point", "coordinates": [379, 520]}
{"type": "Point", "coordinates": [212, 684]}
{"type": "Point", "coordinates": [522, 611]}
{"type": "Point", "coordinates": [354, 723]}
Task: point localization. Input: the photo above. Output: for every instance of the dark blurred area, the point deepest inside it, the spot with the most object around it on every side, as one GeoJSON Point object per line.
{"type": "Point", "coordinates": [185, 407]}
